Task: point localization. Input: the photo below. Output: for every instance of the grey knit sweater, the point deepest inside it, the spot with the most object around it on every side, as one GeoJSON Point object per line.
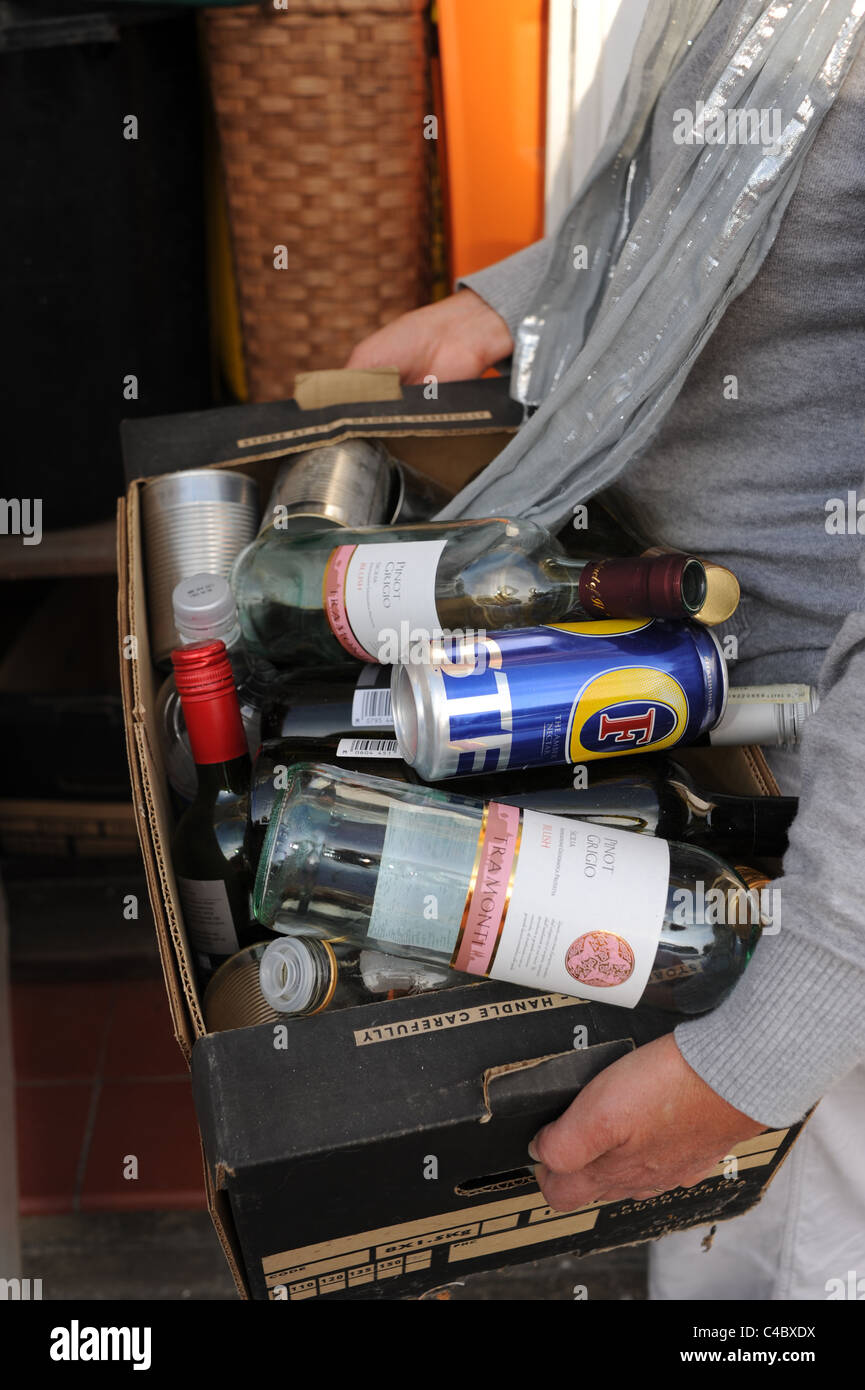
{"type": "Point", "coordinates": [742, 473]}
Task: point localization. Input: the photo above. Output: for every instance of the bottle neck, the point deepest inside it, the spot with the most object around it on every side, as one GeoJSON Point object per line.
{"type": "Point", "coordinates": [658, 586]}
{"type": "Point", "coordinates": [298, 976]}
{"type": "Point", "coordinates": [766, 715]}
{"type": "Point", "coordinates": [231, 776]}
{"type": "Point", "coordinates": [217, 737]}
{"type": "Point", "coordinates": [746, 824]}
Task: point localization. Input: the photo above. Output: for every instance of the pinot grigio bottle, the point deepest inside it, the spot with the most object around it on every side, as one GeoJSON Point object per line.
{"type": "Point", "coordinates": [209, 849]}
{"type": "Point", "coordinates": [378, 592]}
{"type": "Point", "coordinates": [546, 902]}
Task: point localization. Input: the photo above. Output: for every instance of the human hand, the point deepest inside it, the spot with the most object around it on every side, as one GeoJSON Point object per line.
{"type": "Point", "coordinates": [454, 340]}
{"type": "Point", "coordinates": [643, 1125]}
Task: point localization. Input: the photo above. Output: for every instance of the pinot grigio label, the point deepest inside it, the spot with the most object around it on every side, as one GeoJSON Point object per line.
{"type": "Point", "coordinates": [565, 905]}
{"type": "Point", "coordinates": [371, 590]}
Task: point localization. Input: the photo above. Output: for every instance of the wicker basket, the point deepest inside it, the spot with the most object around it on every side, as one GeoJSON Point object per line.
{"type": "Point", "coordinates": [320, 107]}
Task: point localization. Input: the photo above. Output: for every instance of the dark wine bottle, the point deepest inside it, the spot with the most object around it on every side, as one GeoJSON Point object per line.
{"type": "Point", "coordinates": [661, 799]}
{"type": "Point", "coordinates": [653, 796]}
{"type": "Point", "coordinates": [210, 847]}
{"type": "Point", "coordinates": [603, 527]}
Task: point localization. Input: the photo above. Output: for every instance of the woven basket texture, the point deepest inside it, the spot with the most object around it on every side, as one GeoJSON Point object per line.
{"type": "Point", "coordinates": [320, 108]}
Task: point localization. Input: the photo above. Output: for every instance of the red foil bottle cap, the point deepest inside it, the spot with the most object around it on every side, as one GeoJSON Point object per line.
{"type": "Point", "coordinates": [661, 586]}
{"type": "Point", "coordinates": [205, 684]}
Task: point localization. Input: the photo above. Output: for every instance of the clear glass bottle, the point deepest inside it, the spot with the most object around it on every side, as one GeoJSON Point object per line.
{"type": "Point", "coordinates": [543, 901]}
{"type": "Point", "coordinates": [363, 593]}
{"type": "Point", "coordinates": [301, 975]}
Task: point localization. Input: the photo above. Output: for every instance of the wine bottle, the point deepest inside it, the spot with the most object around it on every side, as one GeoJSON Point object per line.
{"type": "Point", "coordinates": [316, 706]}
{"type": "Point", "coordinates": [663, 800]}
{"type": "Point", "coordinates": [597, 530]}
{"type": "Point", "coordinates": [488, 889]}
{"type": "Point", "coordinates": [204, 611]}
{"type": "Point", "coordinates": [209, 848]}
{"type": "Point", "coordinates": [380, 593]}
{"type": "Point", "coordinates": [650, 796]}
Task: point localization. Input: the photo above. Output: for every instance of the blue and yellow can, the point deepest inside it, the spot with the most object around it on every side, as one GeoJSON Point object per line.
{"type": "Point", "coordinates": [566, 694]}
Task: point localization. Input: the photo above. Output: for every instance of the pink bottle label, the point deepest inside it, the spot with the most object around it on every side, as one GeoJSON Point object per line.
{"type": "Point", "coordinates": [333, 594]}
{"type": "Point", "coordinates": [489, 895]}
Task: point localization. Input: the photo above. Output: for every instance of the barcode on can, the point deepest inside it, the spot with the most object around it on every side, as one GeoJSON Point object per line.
{"type": "Point", "coordinates": [367, 748]}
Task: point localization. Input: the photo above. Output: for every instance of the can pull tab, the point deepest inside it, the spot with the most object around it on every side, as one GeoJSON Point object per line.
{"type": "Point", "coordinates": [318, 390]}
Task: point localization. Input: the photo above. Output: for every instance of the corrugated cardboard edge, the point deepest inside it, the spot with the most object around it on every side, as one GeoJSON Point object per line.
{"type": "Point", "coordinates": [181, 1001]}
{"type": "Point", "coordinates": [298, 440]}
{"type": "Point", "coordinates": [223, 1223]}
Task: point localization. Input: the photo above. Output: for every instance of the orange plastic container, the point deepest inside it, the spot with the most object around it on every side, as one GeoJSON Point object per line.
{"type": "Point", "coordinates": [493, 65]}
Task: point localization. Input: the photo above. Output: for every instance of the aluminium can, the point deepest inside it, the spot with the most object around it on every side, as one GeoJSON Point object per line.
{"type": "Point", "coordinates": [563, 694]}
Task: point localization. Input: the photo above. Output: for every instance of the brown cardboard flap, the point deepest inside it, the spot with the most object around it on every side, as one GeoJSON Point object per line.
{"type": "Point", "coordinates": [317, 390]}
{"type": "Point", "coordinates": [542, 1082]}
{"type": "Point", "coordinates": [134, 656]}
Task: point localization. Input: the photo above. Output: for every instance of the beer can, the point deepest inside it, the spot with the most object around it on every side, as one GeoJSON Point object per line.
{"type": "Point", "coordinates": [563, 694]}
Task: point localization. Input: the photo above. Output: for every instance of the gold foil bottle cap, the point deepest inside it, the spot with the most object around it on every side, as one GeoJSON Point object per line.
{"type": "Point", "coordinates": [722, 595]}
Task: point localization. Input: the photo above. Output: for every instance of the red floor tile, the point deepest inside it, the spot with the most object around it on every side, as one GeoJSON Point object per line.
{"type": "Point", "coordinates": [58, 1030]}
{"type": "Point", "coordinates": [141, 1041]}
{"type": "Point", "coordinates": [155, 1122]}
{"type": "Point", "coordinates": [51, 1121]}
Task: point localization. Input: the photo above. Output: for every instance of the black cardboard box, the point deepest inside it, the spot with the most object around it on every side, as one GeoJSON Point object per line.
{"type": "Point", "coordinates": [317, 1153]}
{"type": "Point", "coordinates": [381, 1151]}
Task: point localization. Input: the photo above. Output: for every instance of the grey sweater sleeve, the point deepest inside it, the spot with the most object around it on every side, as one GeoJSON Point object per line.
{"type": "Point", "coordinates": [795, 1022]}
{"type": "Point", "coordinates": [509, 286]}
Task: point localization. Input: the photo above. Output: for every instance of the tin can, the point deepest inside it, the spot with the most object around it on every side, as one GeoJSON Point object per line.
{"type": "Point", "coordinates": [195, 522]}
{"type": "Point", "coordinates": [356, 483]}
{"type": "Point", "coordinates": [563, 694]}
{"type": "Point", "coordinates": [347, 484]}
{"type": "Point", "coordinates": [233, 998]}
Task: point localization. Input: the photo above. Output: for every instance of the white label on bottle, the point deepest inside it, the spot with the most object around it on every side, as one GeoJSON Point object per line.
{"type": "Point", "coordinates": [368, 748]}
{"type": "Point", "coordinates": [207, 914]}
{"type": "Point", "coordinates": [586, 908]}
{"type": "Point", "coordinates": [370, 705]}
{"type": "Point", "coordinates": [769, 694]}
{"type": "Point", "coordinates": [376, 596]}
{"type": "Point", "coordinates": [565, 906]}
{"type": "Point", "coordinates": [424, 878]}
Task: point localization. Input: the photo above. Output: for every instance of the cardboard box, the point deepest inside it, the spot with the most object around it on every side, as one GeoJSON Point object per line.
{"type": "Point", "coordinates": [380, 1151]}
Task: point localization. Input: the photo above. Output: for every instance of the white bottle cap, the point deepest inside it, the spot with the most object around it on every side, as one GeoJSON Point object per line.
{"type": "Point", "coordinates": [204, 608]}
{"type": "Point", "coordinates": [287, 975]}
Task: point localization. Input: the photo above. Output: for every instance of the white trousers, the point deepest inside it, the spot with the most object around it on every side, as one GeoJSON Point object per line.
{"type": "Point", "coordinates": [804, 1240]}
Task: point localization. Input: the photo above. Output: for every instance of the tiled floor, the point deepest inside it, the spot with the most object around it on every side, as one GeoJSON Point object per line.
{"type": "Point", "coordinates": [105, 1114]}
